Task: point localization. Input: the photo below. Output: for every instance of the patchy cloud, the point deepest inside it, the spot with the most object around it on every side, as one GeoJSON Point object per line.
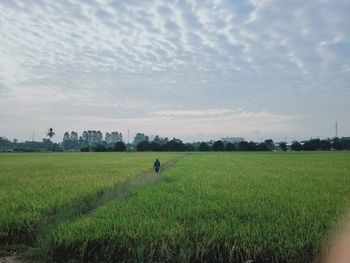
{"type": "Point", "coordinates": [111, 64]}
{"type": "Point", "coordinates": [220, 113]}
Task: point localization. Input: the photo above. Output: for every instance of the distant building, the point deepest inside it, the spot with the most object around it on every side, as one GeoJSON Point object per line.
{"type": "Point", "coordinates": [232, 139]}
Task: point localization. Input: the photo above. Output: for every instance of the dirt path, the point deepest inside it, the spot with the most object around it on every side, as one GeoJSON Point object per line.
{"type": "Point", "coordinates": [86, 205]}
{"type": "Point", "coordinates": [10, 259]}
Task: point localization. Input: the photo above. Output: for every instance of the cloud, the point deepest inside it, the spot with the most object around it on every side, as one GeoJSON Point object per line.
{"type": "Point", "coordinates": [201, 59]}
{"type": "Point", "coordinates": [258, 5]}
{"type": "Point", "coordinates": [220, 113]}
{"type": "Point", "coordinates": [297, 61]}
{"type": "Point", "coordinates": [193, 113]}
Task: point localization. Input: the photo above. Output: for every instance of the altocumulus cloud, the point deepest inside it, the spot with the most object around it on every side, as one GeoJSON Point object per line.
{"type": "Point", "coordinates": [177, 68]}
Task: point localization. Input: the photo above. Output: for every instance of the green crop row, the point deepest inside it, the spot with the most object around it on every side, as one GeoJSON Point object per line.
{"type": "Point", "coordinates": [36, 187]}
{"type": "Point", "coordinates": [219, 207]}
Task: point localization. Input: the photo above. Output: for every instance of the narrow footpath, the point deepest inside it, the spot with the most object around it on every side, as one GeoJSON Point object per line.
{"type": "Point", "coordinates": [80, 208]}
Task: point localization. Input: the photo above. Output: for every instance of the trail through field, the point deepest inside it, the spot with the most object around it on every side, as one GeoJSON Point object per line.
{"type": "Point", "coordinates": [89, 204]}
{"type": "Point", "coordinates": [10, 259]}
{"type": "Point", "coordinates": [85, 205]}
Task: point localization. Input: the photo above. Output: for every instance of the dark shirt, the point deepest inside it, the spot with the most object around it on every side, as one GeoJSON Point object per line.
{"type": "Point", "coordinates": [157, 164]}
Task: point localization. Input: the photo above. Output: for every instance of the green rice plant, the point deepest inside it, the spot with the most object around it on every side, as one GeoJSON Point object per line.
{"type": "Point", "coordinates": [219, 207]}
{"type": "Point", "coordinates": [35, 188]}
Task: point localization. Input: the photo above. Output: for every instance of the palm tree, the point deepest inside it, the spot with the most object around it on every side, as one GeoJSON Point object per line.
{"type": "Point", "coordinates": [50, 133]}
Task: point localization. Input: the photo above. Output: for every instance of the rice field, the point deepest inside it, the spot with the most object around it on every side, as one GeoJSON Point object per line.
{"type": "Point", "coordinates": [209, 207]}
{"type": "Point", "coordinates": [38, 185]}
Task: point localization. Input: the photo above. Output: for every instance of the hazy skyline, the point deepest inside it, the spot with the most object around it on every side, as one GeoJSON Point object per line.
{"type": "Point", "coordinates": [194, 70]}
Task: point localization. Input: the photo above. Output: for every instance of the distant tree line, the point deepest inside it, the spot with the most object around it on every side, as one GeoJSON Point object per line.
{"type": "Point", "coordinates": [28, 146]}
{"type": "Point", "coordinates": [322, 145]}
{"type": "Point", "coordinates": [93, 140]}
{"type": "Point", "coordinates": [89, 141]}
{"type": "Point", "coordinates": [159, 144]}
{"type": "Point", "coordinates": [140, 137]}
{"type": "Point", "coordinates": [174, 145]}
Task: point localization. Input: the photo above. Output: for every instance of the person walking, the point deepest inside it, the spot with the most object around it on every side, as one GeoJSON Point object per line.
{"type": "Point", "coordinates": [156, 166]}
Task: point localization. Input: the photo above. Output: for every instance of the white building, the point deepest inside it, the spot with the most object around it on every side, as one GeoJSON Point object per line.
{"type": "Point", "coordinates": [232, 139]}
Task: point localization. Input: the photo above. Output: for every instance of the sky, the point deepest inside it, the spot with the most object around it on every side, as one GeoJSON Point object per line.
{"type": "Point", "coordinates": [194, 70]}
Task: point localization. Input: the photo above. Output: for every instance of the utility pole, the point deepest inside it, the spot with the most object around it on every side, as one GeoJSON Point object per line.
{"type": "Point", "coordinates": [33, 137]}
{"type": "Point", "coordinates": [336, 129]}
{"type": "Point", "coordinates": [128, 136]}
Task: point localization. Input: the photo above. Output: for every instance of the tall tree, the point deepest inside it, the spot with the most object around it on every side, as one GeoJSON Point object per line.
{"type": "Point", "coordinates": [116, 137]}
{"type": "Point", "coordinates": [296, 146]}
{"type": "Point", "coordinates": [154, 146]}
{"type": "Point", "coordinates": [174, 145]}
{"type": "Point", "coordinates": [99, 137]}
{"type": "Point", "coordinates": [325, 145]}
{"type": "Point", "coordinates": [143, 146]}
{"type": "Point", "coordinates": [108, 137]}
{"type": "Point", "coordinates": [263, 147]}
{"type": "Point", "coordinates": [337, 144]}
{"type": "Point", "coordinates": [140, 137]}
{"type": "Point", "coordinates": [66, 137]}
{"type": "Point", "coordinates": [119, 147]}
{"type": "Point", "coordinates": [66, 141]}
{"type": "Point", "coordinates": [270, 144]}
{"type": "Point", "coordinates": [252, 146]}
{"type": "Point", "coordinates": [283, 146]}
{"type": "Point", "coordinates": [243, 146]}
{"type": "Point", "coordinates": [73, 136]}
{"type": "Point", "coordinates": [189, 147]}
{"type": "Point", "coordinates": [218, 146]}
{"type": "Point", "coordinates": [85, 136]}
{"type": "Point", "coordinates": [230, 147]}
{"type": "Point", "coordinates": [4, 144]}
{"type": "Point", "coordinates": [345, 141]}
{"type": "Point", "coordinates": [312, 145]}
{"type": "Point", "coordinates": [50, 133]}
{"type": "Point", "coordinates": [157, 139]}
{"type": "Point", "coordinates": [204, 147]}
